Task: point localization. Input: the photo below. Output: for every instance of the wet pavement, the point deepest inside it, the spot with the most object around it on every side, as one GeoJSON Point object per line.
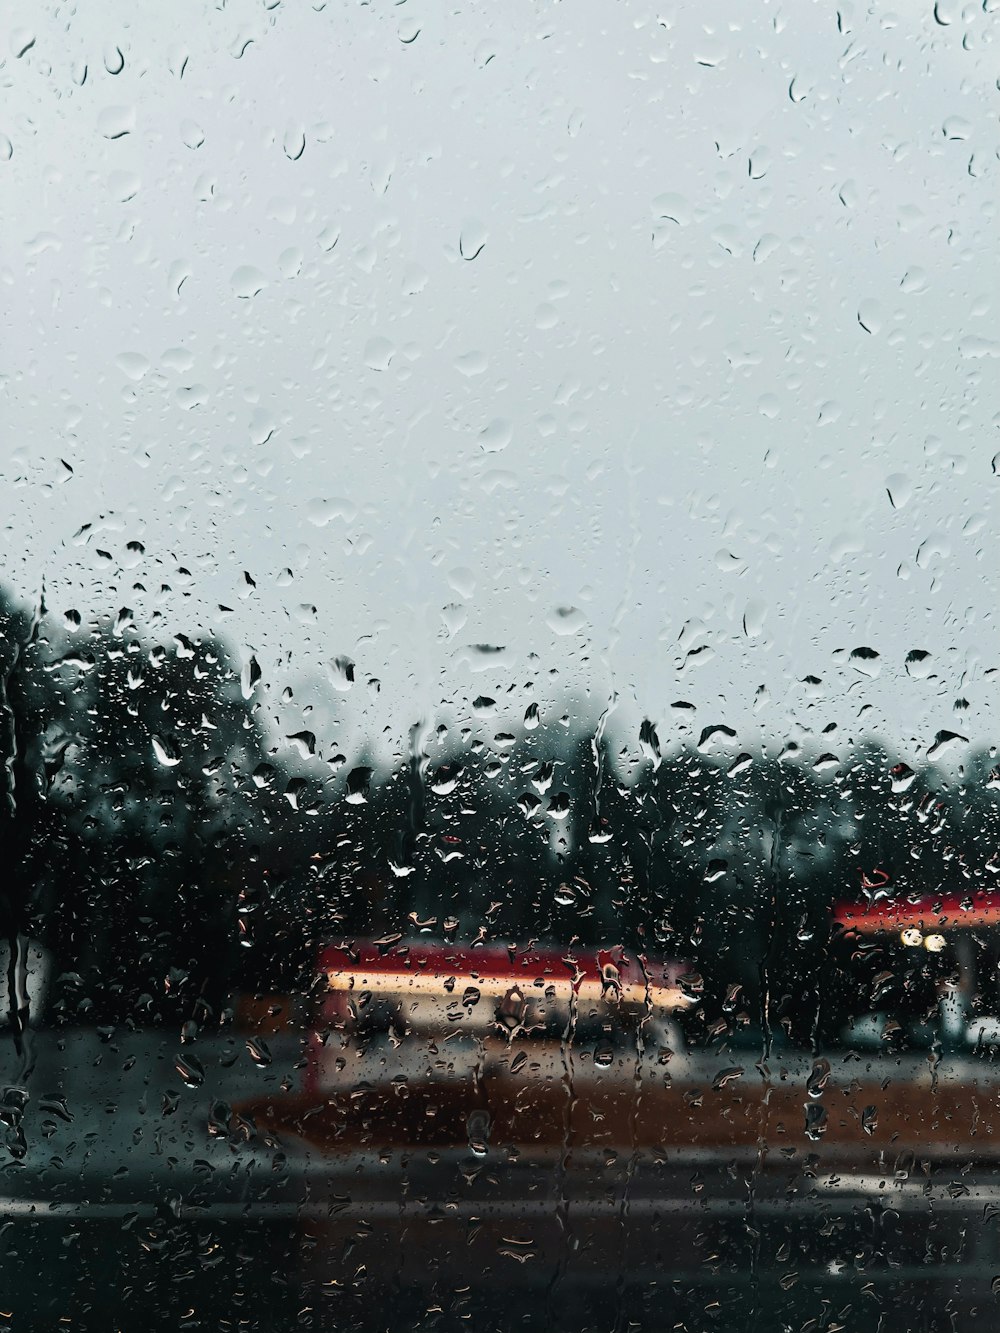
{"type": "Point", "coordinates": [249, 1189]}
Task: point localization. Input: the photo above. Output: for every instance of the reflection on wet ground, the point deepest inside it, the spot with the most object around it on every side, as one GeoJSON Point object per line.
{"type": "Point", "coordinates": [461, 1185]}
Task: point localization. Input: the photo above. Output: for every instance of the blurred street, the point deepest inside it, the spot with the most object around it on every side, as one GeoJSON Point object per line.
{"type": "Point", "coordinates": [551, 1193]}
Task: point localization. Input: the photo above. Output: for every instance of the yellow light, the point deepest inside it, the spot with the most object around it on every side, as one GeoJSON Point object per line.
{"type": "Point", "coordinates": [934, 943]}
{"type": "Point", "coordinates": [912, 938]}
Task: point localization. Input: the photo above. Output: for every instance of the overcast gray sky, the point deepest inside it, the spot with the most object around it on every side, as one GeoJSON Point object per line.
{"type": "Point", "coordinates": [597, 331]}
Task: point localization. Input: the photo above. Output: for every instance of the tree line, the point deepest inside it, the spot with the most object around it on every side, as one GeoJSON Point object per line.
{"type": "Point", "coordinates": [170, 852]}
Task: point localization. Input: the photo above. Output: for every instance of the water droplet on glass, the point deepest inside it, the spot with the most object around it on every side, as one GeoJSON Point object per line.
{"type": "Point", "coordinates": [470, 364]}
{"type": "Point", "coordinates": [358, 785]}
{"type": "Point", "coordinates": [21, 42]}
{"type": "Point", "coordinates": [328, 238]}
{"type": "Point", "coordinates": [870, 316]}
{"type": "Point", "coordinates": [294, 142]}
{"type": "Point", "coordinates": [189, 396]}
{"type": "Point", "coordinates": [945, 740]}
{"type": "Point", "coordinates": [262, 426]}
{"type": "Point", "coordinates": [192, 134]}
{"type": "Point", "coordinates": [341, 673]}
{"type": "Point", "coordinates": [247, 281]}
{"type": "Point", "coordinates": [114, 122]}
{"type": "Point", "coordinates": [566, 620]}
{"type": "Point", "coordinates": [866, 660]}
{"type": "Point", "coordinates": [798, 90]}
{"type": "Point", "coordinates": [190, 1070]}
{"type": "Point", "coordinates": [753, 619]}
{"type": "Point", "coordinates": [672, 208]}
{"type": "Point", "coordinates": [918, 663]}
{"type": "Point", "coordinates": [167, 751]}
{"type": "Point", "coordinates": [472, 239]}
{"type": "Point", "coordinates": [900, 489]}
{"type": "Point", "coordinates": [123, 186]}
{"type": "Point", "coordinates": [818, 1078]}
{"type": "Point", "coordinates": [727, 1076]}
{"type": "Point", "coordinates": [249, 677]}
{"type": "Point", "coordinates": [132, 364]}
{"type": "Point", "coordinates": [768, 406]}
{"type": "Point", "coordinates": [378, 353]}
{"type": "Point", "coordinates": [177, 275]}
{"type": "Point", "coordinates": [816, 1120]}
{"type": "Point", "coordinates": [713, 733]}
{"type": "Point", "coordinates": [290, 262]}
{"type": "Point", "coordinates": [956, 127]}
{"type": "Point", "coordinates": [496, 436]}
{"type": "Point", "coordinates": [902, 777]}
{"type": "Point", "coordinates": [259, 1052]}
{"type": "Point", "coordinates": [56, 1104]}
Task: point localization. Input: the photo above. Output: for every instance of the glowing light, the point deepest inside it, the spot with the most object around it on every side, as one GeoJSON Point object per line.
{"type": "Point", "coordinates": [934, 943]}
{"type": "Point", "coordinates": [912, 938]}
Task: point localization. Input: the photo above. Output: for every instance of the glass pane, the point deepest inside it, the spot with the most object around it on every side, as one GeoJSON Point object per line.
{"type": "Point", "coordinates": [498, 667]}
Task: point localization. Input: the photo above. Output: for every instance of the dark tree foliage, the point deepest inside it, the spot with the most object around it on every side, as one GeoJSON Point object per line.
{"type": "Point", "coordinates": [170, 854]}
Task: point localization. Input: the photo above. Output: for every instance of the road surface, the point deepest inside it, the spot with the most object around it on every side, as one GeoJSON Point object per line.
{"type": "Point", "coordinates": [234, 1185]}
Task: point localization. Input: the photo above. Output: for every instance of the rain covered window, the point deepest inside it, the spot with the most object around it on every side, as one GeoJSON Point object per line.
{"type": "Point", "coordinates": [499, 801]}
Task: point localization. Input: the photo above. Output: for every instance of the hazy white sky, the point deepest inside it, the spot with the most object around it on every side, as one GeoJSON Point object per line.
{"type": "Point", "coordinates": [600, 332]}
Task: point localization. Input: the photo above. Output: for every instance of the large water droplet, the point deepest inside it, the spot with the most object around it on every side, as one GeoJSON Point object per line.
{"type": "Point", "coordinates": [190, 1069]}
{"type": "Point", "coordinates": [870, 316]}
{"type": "Point", "coordinates": [21, 42]}
{"type": "Point", "coordinates": [167, 751]}
{"type": "Point", "coordinates": [472, 239]}
{"type": "Point", "coordinates": [192, 134]}
{"type": "Point", "coordinates": [496, 436]}
{"type": "Point", "coordinates": [247, 281]}
{"type": "Point", "coordinates": [132, 364]}
{"type": "Point", "coordinates": [114, 122]}
{"type": "Point", "coordinates": [123, 186]}
{"type": "Point", "coordinates": [565, 620]}
{"type": "Point", "coordinates": [956, 127]}
{"type": "Point", "coordinates": [378, 353]}
{"type": "Point", "coordinates": [259, 1052]}
{"type": "Point", "coordinates": [341, 673]}
{"type": "Point", "coordinates": [900, 489]}
{"type": "Point", "coordinates": [294, 142]}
